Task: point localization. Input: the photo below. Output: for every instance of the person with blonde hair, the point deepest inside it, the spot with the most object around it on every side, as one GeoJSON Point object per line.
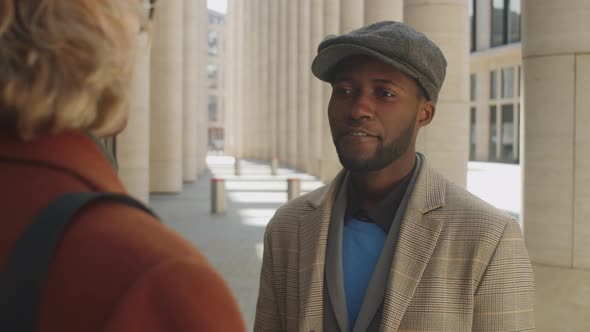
{"type": "Point", "coordinates": [65, 68]}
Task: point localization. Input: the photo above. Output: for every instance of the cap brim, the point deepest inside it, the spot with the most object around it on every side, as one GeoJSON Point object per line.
{"type": "Point", "coordinates": [327, 59]}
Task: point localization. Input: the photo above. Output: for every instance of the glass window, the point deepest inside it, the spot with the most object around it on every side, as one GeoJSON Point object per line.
{"type": "Point", "coordinates": [213, 42]}
{"type": "Point", "coordinates": [508, 82]}
{"type": "Point", "coordinates": [473, 87]}
{"type": "Point", "coordinates": [493, 134]}
{"type": "Point", "coordinates": [519, 78]}
{"type": "Point", "coordinates": [493, 84]}
{"type": "Point", "coordinates": [473, 24]}
{"type": "Point", "coordinates": [498, 23]}
{"type": "Point", "coordinates": [212, 71]}
{"type": "Point", "coordinates": [514, 21]}
{"type": "Point", "coordinates": [472, 134]}
{"type": "Point", "coordinates": [507, 147]}
{"type": "Point", "coordinates": [212, 108]}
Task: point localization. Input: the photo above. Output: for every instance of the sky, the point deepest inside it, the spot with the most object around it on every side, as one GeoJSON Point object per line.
{"type": "Point", "coordinates": [217, 5]}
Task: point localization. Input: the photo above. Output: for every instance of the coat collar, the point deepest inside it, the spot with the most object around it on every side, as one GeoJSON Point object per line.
{"type": "Point", "coordinates": [72, 152]}
{"type": "Point", "coordinates": [418, 232]}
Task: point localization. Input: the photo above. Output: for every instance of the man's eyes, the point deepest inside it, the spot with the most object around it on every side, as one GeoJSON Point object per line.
{"type": "Point", "coordinates": [385, 93]}
{"type": "Point", "coordinates": [342, 91]}
{"type": "Point", "coordinates": [378, 92]}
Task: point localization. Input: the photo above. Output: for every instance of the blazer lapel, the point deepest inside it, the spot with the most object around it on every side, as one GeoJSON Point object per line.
{"type": "Point", "coordinates": [417, 239]}
{"type": "Point", "coordinates": [313, 236]}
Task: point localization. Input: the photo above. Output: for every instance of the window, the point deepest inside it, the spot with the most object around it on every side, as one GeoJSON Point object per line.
{"type": "Point", "coordinates": [506, 20]}
{"type": "Point", "coordinates": [213, 42]}
{"type": "Point", "coordinates": [493, 134]}
{"type": "Point", "coordinates": [507, 147]}
{"type": "Point", "coordinates": [498, 23]}
{"type": "Point", "coordinates": [212, 109]}
{"type": "Point", "coordinates": [473, 24]}
{"type": "Point", "coordinates": [508, 82]}
{"type": "Point", "coordinates": [212, 71]}
{"type": "Point", "coordinates": [493, 84]}
{"type": "Point", "coordinates": [472, 134]}
{"type": "Point", "coordinates": [514, 21]}
{"type": "Point", "coordinates": [472, 87]}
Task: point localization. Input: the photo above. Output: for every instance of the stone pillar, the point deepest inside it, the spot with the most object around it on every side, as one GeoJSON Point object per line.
{"type": "Point", "coordinates": [274, 73]}
{"type": "Point", "coordinates": [202, 103]}
{"type": "Point", "coordinates": [351, 15]}
{"type": "Point", "coordinates": [293, 101]}
{"type": "Point", "coordinates": [240, 62]}
{"type": "Point", "coordinates": [133, 144]}
{"type": "Point", "coordinates": [229, 78]}
{"type": "Point", "coordinates": [316, 105]}
{"type": "Point", "coordinates": [329, 165]}
{"type": "Point", "coordinates": [166, 98]}
{"type": "Point", "coordinates": [282, 82]}
{"type": "Point", "coordinates": [191, 85]}
{"type": "Point", "coordinates": [445, 142]}
{"type": "Point", "coordinates": [556, 159]}
{"type": "Point", "coordinates": [303, 78]}
{"type": "Point", "coordinates": [263, 151]}
{"type": "Point", "coordinates": [384, 10]}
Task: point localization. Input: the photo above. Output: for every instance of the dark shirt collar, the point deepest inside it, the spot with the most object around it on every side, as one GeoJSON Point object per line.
{"type": "Point", "coordinates": [384, 212]}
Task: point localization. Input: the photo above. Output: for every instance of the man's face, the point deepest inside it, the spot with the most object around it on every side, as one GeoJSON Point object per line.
{"type": "Point", "coordinates": [373, 113]}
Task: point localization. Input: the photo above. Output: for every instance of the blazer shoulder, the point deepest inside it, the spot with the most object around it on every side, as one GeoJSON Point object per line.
{"type": "Point", "coordinates": [293, 210]}
{"type": "Point", "coordinates": [464, 209]}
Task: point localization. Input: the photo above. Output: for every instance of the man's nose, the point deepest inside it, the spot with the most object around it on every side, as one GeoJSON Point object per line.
{"type": "Point", "coordinates": [362, 107]}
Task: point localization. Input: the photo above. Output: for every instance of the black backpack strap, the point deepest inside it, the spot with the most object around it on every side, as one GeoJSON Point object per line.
{"type": "Point", "coordinates": [25, 270]}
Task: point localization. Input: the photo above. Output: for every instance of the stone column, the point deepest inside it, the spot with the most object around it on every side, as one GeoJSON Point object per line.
{"type": "Point", "coordinates": [202, 103]}
{"type": "Point", "coordinates": [133, 144]}
{"type": "Point", "coordinates": [351, 15]}
{"type": "Point", "coordinates": [303, 78]}
{"type": "Point", "coordinates": [384, 10]}
{"type": "Point", "coordinates": [229, 78]}
{"type": "Point", "coordinates": [240, 56]}
{"type": "Point", "coordinates": [556, 163]}
{"type": "Point", "coordinates": [282, 82]}
{"type": "Point", "coordinates": [274, 73]}
{"type": "Point", "coordinates": [445, 142]}
{"type": "Point", "coordinates": [190, 87]}
{"type": "Point", "coordinates": [329, 165]}
{"type": "Point", "coordinates": [263, 151]}
{"type": "Point", "coordinates": [166, 98]}
{"type": "Point", "coordinates": [316, 105]}
{"type": "Point", "coordinates": [293, 101]}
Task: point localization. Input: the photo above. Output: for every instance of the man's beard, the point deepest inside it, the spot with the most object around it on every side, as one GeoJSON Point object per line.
{"type": "Point", "coordinates": [384, 156]}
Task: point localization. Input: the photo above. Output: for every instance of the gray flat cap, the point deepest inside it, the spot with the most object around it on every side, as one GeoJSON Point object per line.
{"type": "Point", "coordinates": [393, 43]}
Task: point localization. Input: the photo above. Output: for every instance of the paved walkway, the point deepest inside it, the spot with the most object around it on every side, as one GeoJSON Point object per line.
{"type": "Point", "coordinates": [233, 241]}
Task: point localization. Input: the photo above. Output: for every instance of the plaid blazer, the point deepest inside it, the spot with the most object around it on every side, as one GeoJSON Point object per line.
{"type": "Point", "coordinates": [459, 264]}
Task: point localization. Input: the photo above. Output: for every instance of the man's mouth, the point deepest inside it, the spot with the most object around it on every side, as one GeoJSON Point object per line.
{"type": "Point", "coordinates": [359, 133]}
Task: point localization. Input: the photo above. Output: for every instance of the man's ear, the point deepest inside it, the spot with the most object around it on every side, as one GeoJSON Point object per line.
{"type": "Point", "coordinates": [426, 113]}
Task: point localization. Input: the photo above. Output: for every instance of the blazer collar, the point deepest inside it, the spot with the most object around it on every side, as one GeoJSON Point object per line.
{"type": "Point", "coordinates": [428, 193]}
{"type": "Point", "coordinates": [418, 236]}
{"type": "Point", "coordinates": [417, 239]}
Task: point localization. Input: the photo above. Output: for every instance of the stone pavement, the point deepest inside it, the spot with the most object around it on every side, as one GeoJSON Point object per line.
{"type": "Point", "coordinates": [233, 241]}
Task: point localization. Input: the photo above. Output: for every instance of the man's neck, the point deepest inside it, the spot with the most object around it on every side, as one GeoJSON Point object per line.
{"type": "Point", "coordinates": [372, 187]}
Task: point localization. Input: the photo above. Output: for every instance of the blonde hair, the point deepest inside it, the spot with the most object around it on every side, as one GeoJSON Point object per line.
{"type": "Point", "coordinates": [65, 64]}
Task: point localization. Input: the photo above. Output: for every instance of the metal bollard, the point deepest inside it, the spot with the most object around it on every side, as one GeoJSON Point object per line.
{"type": "Point", "coordinates": [293, 188]}
{"type": "Point", "coordinates": [274, 166]}
{"type": "Point", "coordinates": [217, 196]}
{"type": "Point", "coordinates": [237, 167]}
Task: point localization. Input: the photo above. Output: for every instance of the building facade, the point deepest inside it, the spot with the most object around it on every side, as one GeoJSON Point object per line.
{"type": "Point", "coordinates": [495, 80]}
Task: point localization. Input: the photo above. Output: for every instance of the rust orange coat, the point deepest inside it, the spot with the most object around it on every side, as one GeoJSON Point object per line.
{"type": "Point", "coordinates": [117, 268]}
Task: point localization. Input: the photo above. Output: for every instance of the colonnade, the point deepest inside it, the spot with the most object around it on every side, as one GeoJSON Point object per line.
{"type": "Point", "coordinates": [284, 108]}
{"type": "Point", "coordinates": [165, 142]}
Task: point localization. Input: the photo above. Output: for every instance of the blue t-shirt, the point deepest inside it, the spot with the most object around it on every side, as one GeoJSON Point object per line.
{"type": "Point", "coordinates": [361, 247]}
